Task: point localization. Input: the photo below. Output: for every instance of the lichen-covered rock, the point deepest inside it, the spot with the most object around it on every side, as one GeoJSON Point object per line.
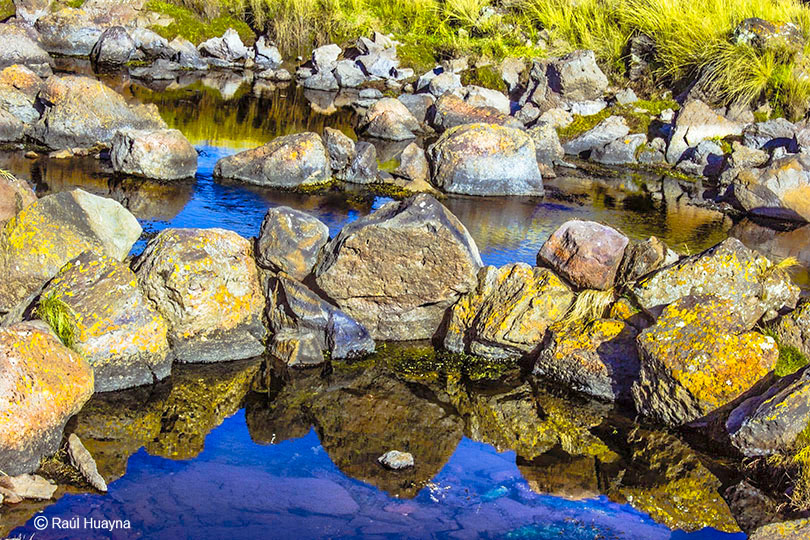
{"type": "Point", "coordinates": [507, 314]}
{"type": "Point", "coordinates": [118, 331]}
{"type": "Point", "coordinates": [15, 194]}
{"type": "Point", "coordinates": [577, 77]}
{"type": "Point", "coordinates": [69, 32]}
{"type": "Point", "coordinates": [287, 162]}
{"type": "Point", "coordinates": [598, 358]}
{"type": "Point", "coordinates": [798, 529]}
{"type": "Point", "coordinates": [114, 47]}
{"type": "Point", "coordinates": [205, 283]}
{"type": "Point", "coordinates": [48, 233]}
{"type": "Point", "coordinates": [697, 122]}
{"type": "Point", "coordinates": [163, 154]}
{"type": "Point", "coordinates": [19, 87]}
{"type": "Point", "coordinates": [585, 253]}
{"type": "Point", "coordinates": [294, 308]}
{"type": "Point", "coordinates": [769, 423]}
{"type": "Point", "coordinates": [43, 384]}
{"type": "Point", "coordinates": [20, 48]}
{"type": "Point", "coordinates": [397, 270]}
{"type": "Point", "coordinates": [779, 191]}
{"type": "Point", "coordinates": [83, 112]}
{"type": "Point", "coordinates": [779, 37]}
{"type": "Point", "coordinates": [696, 358]}
{"type": "Point", "coordinates": [641, 258]}
{"type": "Point", "coordinates": [290, 241]}
{"type": "Point", "coordinates": [485, 159]}
{"type": "Point", "coordinates": [794, 327]}
{"type": "Point", "coordinates": [727, 270]}
{"type": "Point", "coordinates": [450, 111]}
{"type": "Point", "coordinates": [389, 119]}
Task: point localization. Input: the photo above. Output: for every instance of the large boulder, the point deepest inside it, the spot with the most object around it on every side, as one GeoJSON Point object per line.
{"type": "Point", "coordinates": [780, 191]}
{"type": "Point", "coordinates": [82, 112]}
{"type": "Point", "coordinates": [290, 241]}
{"type": "Point", "coordinates": [116, 329]}
{"type": "Point", "coordinates": [206, 285]}
{"type": "Point", "coordinates": [229, 47]}
{"type": "Point", "coordinates": [697, 122]}
{"type": "Point", "coordinates": [596, 357]}
{"type": "Point", "coordinates": [769, 423]}
{"type": "Point", "coordinates": [577, 77]}
{"type": "Point", "coordinates": [48, 233]}
{"type": "Point", "coordinates": [69, 32]}
{"type": "Point", "coordinates": [450, 111]}
{"type": "Point", "coordinates": [43, 384]}
{"type": "Point", "coordinates": [163, 154]}
{"type": "Point", "coordinates": [397, 270]}
{"type": "Point", "coordinates": [547, 147]}
{"type": "Point", "coordinates": [287, 162]}
{"type": "Point", "coordinates": [507, 314]}
{"type": "Point", "coordinates": [20, 48]}
{"type": "Point", "coordinates": [484, 159]}
{"type": "Point", "coordinates": [293, 309]}
{"type": "Point", "coordinates": [15, 194]}
{"type": "Point", "coordinates": [698, 357]}
{"type": "Point", "coordinates": [586, 253]}
{"type": "Point", "coordinates": [389, 119]}
{"type": "Point", "coordinates": [730, 270]}
{"type": "Point", "coordinates": [114, 47]}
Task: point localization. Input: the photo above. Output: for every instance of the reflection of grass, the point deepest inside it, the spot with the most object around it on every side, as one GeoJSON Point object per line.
{"type": "Point", "coordinates": [59, 316]}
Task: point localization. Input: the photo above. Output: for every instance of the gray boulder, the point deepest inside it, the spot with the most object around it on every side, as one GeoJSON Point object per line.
{"type": "Point", "coordinates": [697, 122]}
{"type": "Point", "coordinates": [19, 48]}
{"type": "Point", "coordinates": [418, 104]}
{"type": "Point", "coordinates": [340, 147]}
{"type": "Point", "coordinates": [186, 55]}
{"type": "Point", "coordinates": [161, 154]}
{"type": "Point", "coordinates": [547, 145]}
{"type": "Point", "coordinates": [68, 32]}
{"type": "Point", "coordinates": [325, 58]}
{"type": "Point", "coordinates": [114, 47]}
{"type": "Point", "coordinates": [229, 47]}
{"type": "Point", "coordinates": [450, 111]}
{"type": "Point", "coordinates": [620, 151]}
{"type": "Point", "coordinates": [151, 44]}
{"type": "Point", "coordinates": [605, 132]}
{"type": "Point", "coordinates": [265, 54]}
{"type": "Point", "coordinates": [389, 119]}
{"type": "Point", "coordinates": [443, 83]}
{"type": "Point", "coordinates": [348, 74]}
{"type": "Point", "coordinates": [290, 241]}
{"type": "Point", "coordinates": [11, 128]}
{"type": "Point", "coordinates": [321, 80]}
{"type": "Point", "coordinates": [363, 167]}
{"type": "Point", "coordinates": [577, 77]}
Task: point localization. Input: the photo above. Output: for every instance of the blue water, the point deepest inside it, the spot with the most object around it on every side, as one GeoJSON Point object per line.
{"type": "Point", "coordinates": [236, 489]}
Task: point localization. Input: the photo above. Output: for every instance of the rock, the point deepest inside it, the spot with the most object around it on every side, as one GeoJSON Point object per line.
{"type": "Point", "coordinates": [29, 11]}
{"type": "Point", "coordinates": [348, 74]}
{"type": "Point", "coordinates": [605, 132]}
{"type": "Point", "coordinates": [769, 423]}
{"type": "Point", "coordinates": [743, 157]}
{"type": "Point", "coordinates": [288, 161]}
{"type": "Point", "coordinates": [229, 47]}
{"type": "Point", "coordinates": [507, 314]}
{"type": "Point", "coordinates": [19, 87]}
{"type": "Point", "coordinates": [20, 48]}
{"type": "Point", "coordinates": [266, 55]}
{"type": "Point", "coordinates": [775, 133]}
{"type": "Point", "coordinates": [153, 45]}
{"type": "Point", "coordinates": [596, 357]}
{"type": "Point", "coordinates": [585, 253]}
{"type": "Point", "coordinates": [114, 47]}
{"type": "Point", "coordinates": [49, 382]}
{"type": "Point", "coordinates": [653, 153]}
{"type": "Point", "coordinates": [779, 191]}
{"type": "Point", "coordinates": [296, 349]}
{"type": "Point", "coordinates": [161, 154]}
{"type": "Point", "coordinates": [363, 168]}
{"type": "Point", "coordinates": [751, 507]}
{"type": "Point", "coordinates": [118, 331]}
{"type": "Point", "coordinates": [81, 459]}
{"type": "Point", "coordinates": [55, 229]}
{"type": "Point", "coordinates": [697, 122]}
{"type": "Point", "coordinates": [15, 194]}
{"type": "Point", "coordinates": [186, 55]}
{"type": "Point", "coordinates": [588, 107]}
{"type": "Point", "coordinates": [558, 118]}
{"type": "Point", "coordinates": [528, 114]}
{"type": "Point", "coordinates": [396, 460]}
{"type": "Point", "coordinates": [478, 96]}
{"type": "Point", "coordinates": [397, 270]}
{"type": "Point", "coordinates": [779, 37]}
{"type": "Point", "coordinates": [160, 70]}
{"type": "Point", "coordinates": [413, 164]}
{"type": "Point", "coordinates": [389, 119]}
{"type": "Point", "coordinates": [546, 145]}
{"type": "Point", "coordinates": [797, 529]}
{"type": "Point", "coordinates": [325, 58]}
{"type": "Point", "coordinates": [340, 147]}
{"type": "Point", "coordinates": [418, 104]}
{"type": "Point", "coordinates": [729, 270]}
{"type": "Point", "coordinates": [696, 358]}
{"type": "Point", "coordinates": [511, 69]}
{"type": "Point", "coordinates": [68, 32]}
{"type": "Point", "coordinates": [82, 112]}
{"type": "Point", "coordinates": [294, 309]}
{"type": "Point", "coordinates": [443, 83]}
{"type": "Point", "coordinates": [619, 152]}
{"type": "Point", "coordinates": [206, 285]}
{"type": "Point", "coordinates": [381, 63]}
{"type": "Point", "coordinates": [26, 486]}
{"type": "Point", "coordinates": [626, 96]}
{"type": "Point", "coordinates": [642, 258]}
{"type": "Point", "coordinates": [321, 80]}
{"type": "Point", "coordinates": [290, 241]}
{"type": "Point", "coordinates": [22, 79]}
{"type": "Point", "coordinates": [577, 77]}
{"type": "Point", "coordinates": [485, 159]}
{"type": "Point", "coordinates": [450, 111]}
{"type": "Point", "coordinates": [794, 328]}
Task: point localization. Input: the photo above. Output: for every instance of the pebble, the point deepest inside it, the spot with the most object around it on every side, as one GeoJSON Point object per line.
{"type": "Point", "coordinates": [394, 459]}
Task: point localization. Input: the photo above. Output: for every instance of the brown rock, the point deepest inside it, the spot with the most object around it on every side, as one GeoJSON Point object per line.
{"type": "Point", "coordinates": [15, 195]}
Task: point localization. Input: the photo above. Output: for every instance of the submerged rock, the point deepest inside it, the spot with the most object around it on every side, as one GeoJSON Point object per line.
{"type": "Point", "coordinates": [206, 285]}
{"type": "Point", "coordinates": [698, 357]}
{"type": "Point", "coordinates": [16, 489]}
{"type": "Point", "coordinates": [484, 159]}
{"type": "Point", "coordinates": [81, 459]}
{"type": "Point", "coordinates": [287, 162]}
{"type": "Point", "coordinates": [389, 119]}
{"type": "Point", "coordinates": [48, 382]}
{"type": "Point", "coordinates": [586, 253]}
{"type": "Point", "coordinates": [48, 233]}
{"type": "Point", "coordinates": [290, 241]}
{"type": "Point", "coordinates": [507, 314]}
{"type": "Point", "coordinates": [118, 331]}
{"type": "Point", "coordinates": [161, 154]}
{"type": "Point", "coordinates": [397, 270]}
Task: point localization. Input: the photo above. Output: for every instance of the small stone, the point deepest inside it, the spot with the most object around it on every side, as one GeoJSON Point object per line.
{"type": "Point", "coordinates": [81, 459]}
{"type": "Point", "coordinates": [396, 460]}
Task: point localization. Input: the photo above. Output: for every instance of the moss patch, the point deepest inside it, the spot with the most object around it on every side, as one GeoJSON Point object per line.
{"type": "Point", "coordinates": [790, 359]}
{"type": "Point", "coordinates": [486, 76]}
{"type": "Point", "coordinates": [7, 9]}
{"type": "Point", "coordinates": [193, 28]}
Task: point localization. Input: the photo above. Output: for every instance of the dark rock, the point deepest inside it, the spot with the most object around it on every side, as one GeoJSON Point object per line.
{"type": "Point", "coordinates": [114, 47]}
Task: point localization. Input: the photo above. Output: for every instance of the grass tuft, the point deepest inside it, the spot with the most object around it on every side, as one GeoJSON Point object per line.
{"type": "Point", "coordinates": [590, 304]}
{"type": "Point", "coordinates": [60, 317]}
{"type": "Point", "coordinates": [790, 360]}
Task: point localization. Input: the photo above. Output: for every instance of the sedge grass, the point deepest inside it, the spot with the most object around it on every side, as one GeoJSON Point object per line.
{"type": "Point", "coordinates": [59, 316]}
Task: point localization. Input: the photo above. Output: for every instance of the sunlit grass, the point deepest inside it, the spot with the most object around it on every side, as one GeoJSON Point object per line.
{"type": "Point", "coordinates": [60, 317]}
